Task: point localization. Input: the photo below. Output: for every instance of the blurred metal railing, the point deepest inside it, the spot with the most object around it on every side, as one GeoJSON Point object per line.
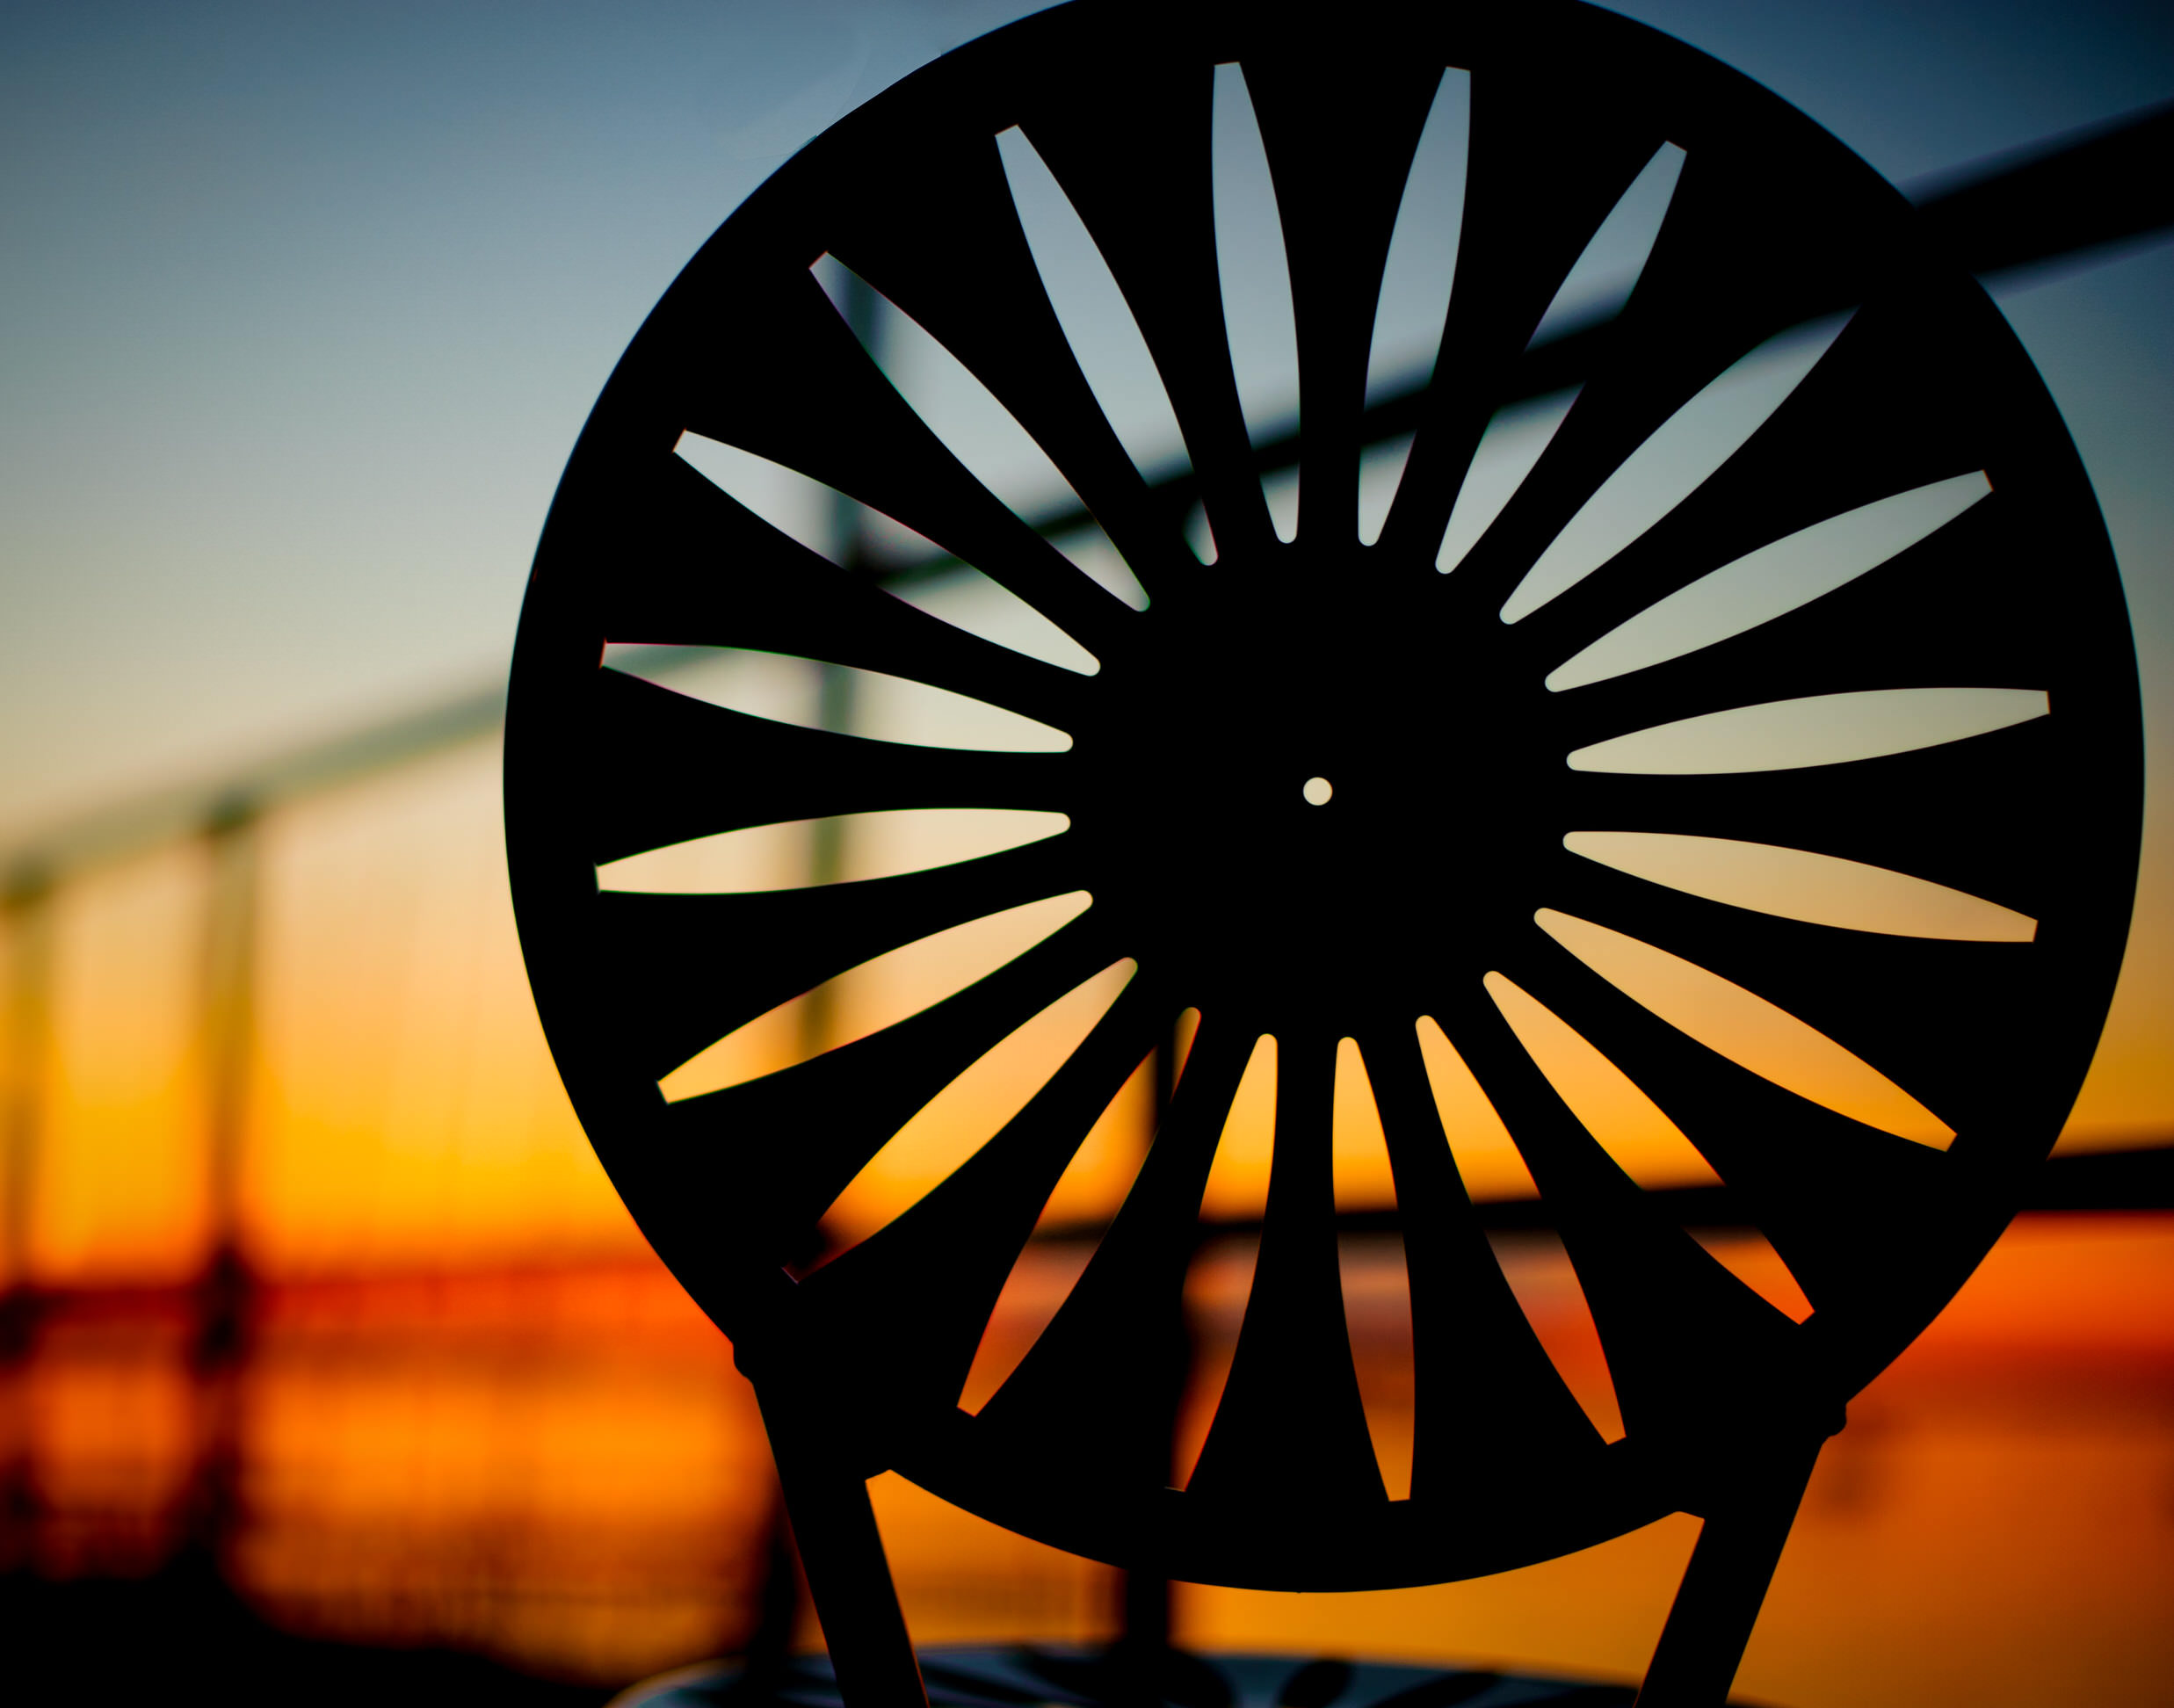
{"type": "Point", "coordinates": [2075, 200]}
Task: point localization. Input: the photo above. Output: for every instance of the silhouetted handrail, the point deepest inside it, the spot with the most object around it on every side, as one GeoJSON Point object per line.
{"type": "Point", "coordinates": [2058, 199]}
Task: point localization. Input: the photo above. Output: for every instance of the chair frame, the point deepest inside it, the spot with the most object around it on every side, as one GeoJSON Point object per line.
{"type": "Point", "coordinates": [859, 1364]}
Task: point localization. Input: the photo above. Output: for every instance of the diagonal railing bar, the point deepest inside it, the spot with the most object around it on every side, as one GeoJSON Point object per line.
{"type": "Point", "coordinates": [147, 821]}
{"type": "Point", "coordinates": [2060, 198]}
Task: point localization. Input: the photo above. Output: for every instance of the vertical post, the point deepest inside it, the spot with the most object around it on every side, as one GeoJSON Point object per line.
{"type": "Point", "coordinates": [229, 996]}
{"type": "Point", "coordinates": [767, 1643]}
{"type": "Point", "coordinates": [1703, 1642]}
{"type": "Point", "coordinates": [1144, 1593]}
{"type": "Point", "coordinates": [842, 1552]}
{"type": "Point", "coordinates": [835, 693]}
{"type": "Point", "coordinates": [826, 853]}
{"type": "Point", "coordinates": [824, 1511]}
{"type": "Point", "coordinates": [28, 910]}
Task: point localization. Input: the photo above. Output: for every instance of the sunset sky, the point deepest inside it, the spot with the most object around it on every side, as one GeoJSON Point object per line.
{"type": "Point", "coordinates": [303, 311]}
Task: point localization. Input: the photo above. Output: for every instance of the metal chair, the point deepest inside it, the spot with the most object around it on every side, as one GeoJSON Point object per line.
{"type": "Point", "coordinates": [1240, 896]}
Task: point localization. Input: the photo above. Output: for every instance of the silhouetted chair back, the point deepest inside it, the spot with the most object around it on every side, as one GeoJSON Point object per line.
{"type": "Point", "coordinates": [1832, 741]}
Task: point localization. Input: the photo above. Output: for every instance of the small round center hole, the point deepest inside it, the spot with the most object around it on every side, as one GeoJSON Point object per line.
{"type": "Point", "coordinates": [1317, 792]}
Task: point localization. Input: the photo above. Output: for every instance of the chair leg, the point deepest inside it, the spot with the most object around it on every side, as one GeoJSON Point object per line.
{"type": "Point", "coordinates": [1702, 1644]}
{"type": "Point", "coordinates": [848, 1577]}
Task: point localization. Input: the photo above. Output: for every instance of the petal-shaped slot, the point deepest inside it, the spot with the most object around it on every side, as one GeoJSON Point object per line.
{"type": "Point", "coordinates": [1823, 729]}
{"type": "Point", "coordinates": [1281, 485]}
{"type": "Point", "coordinates": [867, 998]}
{"type": "Point", "coordinates": [1359, 1148]}
{"type": "Point", "coordinates": [1182, 1034]}
{"type": "Point", "coordinates": [1794, 883]}
{"type": "Point", "coordinates": [1237, 1181]}
{"type": "Point", "coordinates": [975, 428]}
{"type": "Point", "coordinates": [814, 512]}
{"type": "Point", "coordinates": [1039, 1283]}
{"type": "Point", "coordinates": [1380, 471]}
{"type": "Point", "coordinates": [787, 691]}
{"type": "Point", "coordinates": [769, 857]}
{"type": "Point", "coordinates": [1601, 279]}
{"type": "Point", "coordinates": [1750, 1256]}
{"type": "Point", "coordinates": [1102, 563]}
{"type": "Point", "coordinates": [1256, 275]}
{"type": "Point", "coordinates": [1548, 1290]}
{"type": "Point", "coordinates": [1514, 439]}
{"type": "Point", "coordinates": [842, 529]}
{"type": "Point", "coordinates": [1772, 580]}
{"type": "Point", "coordinates": [1097, 322]}
{"type": "Point", "coordinates": [1625, 1123]}
{"type": "Point", "coordinates": [871, 845]}
{"type": "Point", "coordinates": [971, 601]}
{"type": "Point", "coordinates": [968, 1113]}
{"type": "Point", "coordinates": [1675, 462]}
{"type": "Point", "coordinates": [1200, 534]}
{"type": "Point", "coordinates": [1101, 1171]}
{"type": "Point", "coordinates": [889, 708]}
{"type": "Point", "coordinates": [1377, 1287]}
{"type": "Point", "coordinates": [1487, 1159]}
{"type": "Point", "coordinates": [1087, 1194]}
{"type": "Point", "coordinates": [1219, 1280]}
{"type": "Point", "coordinates": [1747, 1029]}
{"type": "Point", "coordinates": [1423, 247]}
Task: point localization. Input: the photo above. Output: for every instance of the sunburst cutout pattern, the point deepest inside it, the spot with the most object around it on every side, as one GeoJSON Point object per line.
{"type": "Point", "coordinates": [1596, 790]}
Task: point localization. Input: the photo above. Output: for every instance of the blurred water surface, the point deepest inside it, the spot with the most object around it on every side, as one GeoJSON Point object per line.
{"type": "Point", "coordinates": [562, 1470]}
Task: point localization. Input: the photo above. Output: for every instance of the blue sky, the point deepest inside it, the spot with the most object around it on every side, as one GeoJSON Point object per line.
{"type": "Point", "coordinates": [303, 307]}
